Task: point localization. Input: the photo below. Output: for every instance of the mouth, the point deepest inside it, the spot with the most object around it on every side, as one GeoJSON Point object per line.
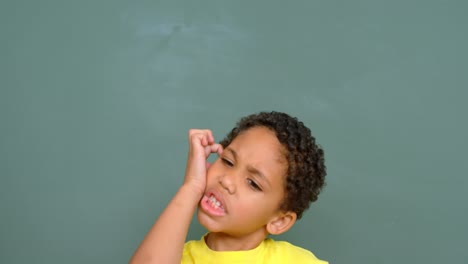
{"type": "Point", "coordinates": [212, 204]}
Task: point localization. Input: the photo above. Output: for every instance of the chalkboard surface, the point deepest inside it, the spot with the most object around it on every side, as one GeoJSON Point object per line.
{"type": "Point", "coordinates": [96, 98]}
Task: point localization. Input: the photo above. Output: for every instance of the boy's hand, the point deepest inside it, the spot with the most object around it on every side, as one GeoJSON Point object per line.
{"type": "Point", "coordinates": [201, 145]}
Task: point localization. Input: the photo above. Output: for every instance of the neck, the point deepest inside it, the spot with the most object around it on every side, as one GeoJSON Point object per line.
{"type": "Point", "coordinates": [226, 242]}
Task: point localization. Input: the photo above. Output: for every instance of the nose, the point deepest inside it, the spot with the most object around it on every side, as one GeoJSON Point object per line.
{"type": "Point", "coordinates": [228, 183]}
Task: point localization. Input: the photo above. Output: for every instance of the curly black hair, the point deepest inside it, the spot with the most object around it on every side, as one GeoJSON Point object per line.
{"type": "Point", "coordinates": [306, 164]}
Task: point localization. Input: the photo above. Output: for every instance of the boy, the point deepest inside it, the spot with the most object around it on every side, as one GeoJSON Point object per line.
{"type": "Point", "coordinates": [268, 171]}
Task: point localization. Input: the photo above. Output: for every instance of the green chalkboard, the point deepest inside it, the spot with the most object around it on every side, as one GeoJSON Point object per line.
{"type": "Point", "coordinates": [96, 98]}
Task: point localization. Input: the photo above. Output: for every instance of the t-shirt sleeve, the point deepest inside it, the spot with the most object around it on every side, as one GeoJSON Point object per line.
{"type": "Point", "coordinates": [187, 257]}
{"type": "Point", "coordinates": [294, 254]}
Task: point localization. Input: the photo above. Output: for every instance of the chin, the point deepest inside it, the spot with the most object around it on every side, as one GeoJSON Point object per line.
{"type": "Point", "coordinates": [208, 222]}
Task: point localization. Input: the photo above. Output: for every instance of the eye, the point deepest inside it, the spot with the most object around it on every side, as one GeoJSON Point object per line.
{"type": "Point", "coordinates": [227, 162]}
{"type": "Point", "coordinates": [253, 185]}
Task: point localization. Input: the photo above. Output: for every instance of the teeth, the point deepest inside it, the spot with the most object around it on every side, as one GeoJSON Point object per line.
{"type": "Point", "coordinates": [215, 203]}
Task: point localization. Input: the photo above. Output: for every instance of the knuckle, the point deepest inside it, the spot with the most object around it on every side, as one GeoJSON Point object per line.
{"type": "Point", "coordinates": [193, 136]}
{"type": "Point", "coordinates": [194, 133]}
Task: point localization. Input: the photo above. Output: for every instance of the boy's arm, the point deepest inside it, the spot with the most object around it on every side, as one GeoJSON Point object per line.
{"type": "Point", "coordinates": [165, 241]}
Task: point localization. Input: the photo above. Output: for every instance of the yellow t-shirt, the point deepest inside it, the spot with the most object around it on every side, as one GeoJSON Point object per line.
{"type": "Point", "coordinates": [269, 251]}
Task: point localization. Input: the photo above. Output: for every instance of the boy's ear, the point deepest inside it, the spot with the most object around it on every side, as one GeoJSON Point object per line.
{"type": "Point", "coordinates": [281, 223]}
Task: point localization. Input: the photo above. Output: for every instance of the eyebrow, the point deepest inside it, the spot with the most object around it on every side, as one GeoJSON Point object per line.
{"type": "Point", "coordinates": [250, 168]}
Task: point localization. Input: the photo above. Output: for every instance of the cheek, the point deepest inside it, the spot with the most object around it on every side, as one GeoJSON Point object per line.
{"type": "Point", "coordinates": [269, 205]}
{"type": "Point", "coordinates": [258, 207]}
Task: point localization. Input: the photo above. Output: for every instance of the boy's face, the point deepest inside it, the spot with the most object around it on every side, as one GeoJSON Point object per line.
{"type": "Point", "coordinates": [245, 185]}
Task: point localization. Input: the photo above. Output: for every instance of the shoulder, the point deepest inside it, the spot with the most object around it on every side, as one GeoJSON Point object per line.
{"type": "Point", "coordinates": [193, 245]}
{"type": "Point", "coordinates": [189, 254]}
{"type": "Point", "coordinates": [289, 253]}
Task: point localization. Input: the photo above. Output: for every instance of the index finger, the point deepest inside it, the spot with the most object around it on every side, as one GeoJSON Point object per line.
{"type": "Point", "coordinates": [214, 148]}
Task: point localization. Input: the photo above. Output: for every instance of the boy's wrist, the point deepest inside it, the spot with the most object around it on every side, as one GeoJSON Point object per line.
{"type": "Point", "coordinates": [191, 193]}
